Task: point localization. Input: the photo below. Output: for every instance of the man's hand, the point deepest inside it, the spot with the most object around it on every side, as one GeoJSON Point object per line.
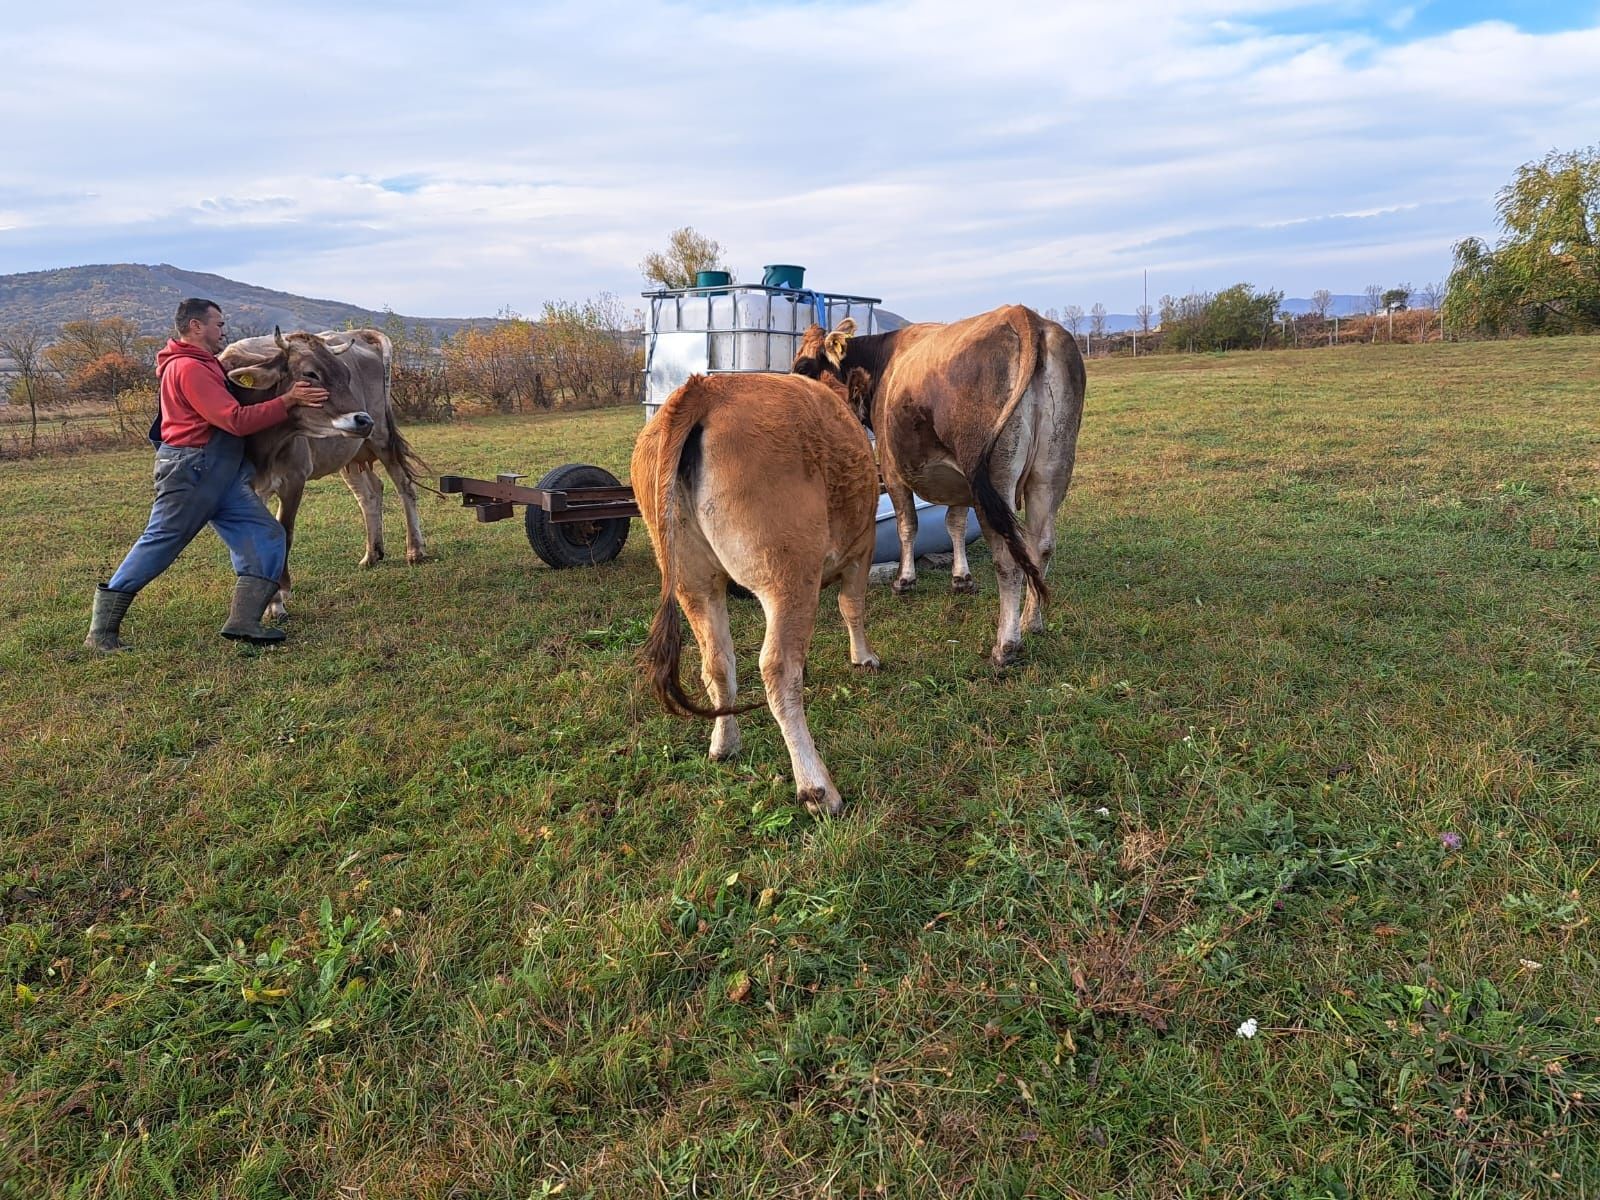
{"type": "Point", "coordinates": [305, 393]}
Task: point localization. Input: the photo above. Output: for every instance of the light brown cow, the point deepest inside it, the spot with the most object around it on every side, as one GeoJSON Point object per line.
{"type": "Point", "coordinates": [979, 413]}
{"type": "Point", "coordinates": [285, 462]}
{"type": "Point", "coordinates": [766, 480]}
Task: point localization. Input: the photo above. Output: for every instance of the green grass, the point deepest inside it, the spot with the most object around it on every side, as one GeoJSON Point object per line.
{"type": "Point", "coordinates": [434, 902]}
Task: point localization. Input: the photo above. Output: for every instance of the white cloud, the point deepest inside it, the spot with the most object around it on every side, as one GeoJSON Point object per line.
{"type": "Point", "coordinates": [943, 155]}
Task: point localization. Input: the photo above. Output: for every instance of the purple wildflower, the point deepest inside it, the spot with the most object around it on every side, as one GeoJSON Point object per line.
{"type": "Point", "coordinates": [1450, 840]}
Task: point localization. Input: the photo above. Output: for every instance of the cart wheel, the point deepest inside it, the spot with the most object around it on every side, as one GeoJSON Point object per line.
{"type": "Point", "coordinates": [575, 543]}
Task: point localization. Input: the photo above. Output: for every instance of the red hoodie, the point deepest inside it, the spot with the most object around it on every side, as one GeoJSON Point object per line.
{"type": "Point", "coordinates": [195, 397]}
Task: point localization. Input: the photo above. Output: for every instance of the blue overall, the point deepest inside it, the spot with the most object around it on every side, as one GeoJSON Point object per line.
{"type": "Point", "coordinates": [196, 485]}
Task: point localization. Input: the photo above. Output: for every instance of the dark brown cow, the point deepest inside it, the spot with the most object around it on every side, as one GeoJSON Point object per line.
{"type": "Point", "coordinates": [766, 480]}
{"type": "Point", "coordinates": [284, 462]}
{"type": "Point", "coordinates": [979, 413]}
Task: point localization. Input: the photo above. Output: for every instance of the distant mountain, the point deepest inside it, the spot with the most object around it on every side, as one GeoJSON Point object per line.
{"type": "Point", "coordinates": [1339, 306]}
{"type": "Point", "coordinates": [150, 295]}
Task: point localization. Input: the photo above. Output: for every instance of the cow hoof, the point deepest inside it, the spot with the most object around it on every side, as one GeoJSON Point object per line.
{"type": "Point", "coordinates": [963, 585]}
{"type": "Point", "coordinates": [415, 557]}
{"type": "Point", "coordinates": [902, 585]}
{"type": "Point", "coordinates": [820, 804]}
{"type": "Point", "coordinates": [724, 753]}
{"type": "Point", "coordinates": [872, 665]}
{"type": "Point", "coordinates": [1005, 656]}
{"type": "Point", "coordinates": [372, 558]}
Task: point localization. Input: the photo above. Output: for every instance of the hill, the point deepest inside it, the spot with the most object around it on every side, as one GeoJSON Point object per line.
{"type": "Point", "coordinates": [149, 295]}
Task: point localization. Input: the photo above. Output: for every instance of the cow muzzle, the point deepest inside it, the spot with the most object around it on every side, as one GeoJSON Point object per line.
{"type": "Point", "coordinates": [357, 424]}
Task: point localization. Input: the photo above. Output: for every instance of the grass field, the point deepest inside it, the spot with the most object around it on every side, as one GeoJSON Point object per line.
{"type": "Point", "coordinates": [433, 902]}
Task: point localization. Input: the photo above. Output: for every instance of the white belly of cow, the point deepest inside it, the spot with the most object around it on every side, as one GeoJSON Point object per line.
{"type": "Point", "coordinates": [940, 481]}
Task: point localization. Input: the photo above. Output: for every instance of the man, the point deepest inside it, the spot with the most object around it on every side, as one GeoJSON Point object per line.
{"type": "Point", "coordinates": [202, 475]}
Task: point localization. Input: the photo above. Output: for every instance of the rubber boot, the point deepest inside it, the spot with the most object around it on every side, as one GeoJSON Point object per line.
{"type": "Point", "coordinates": [251, 595]}
{"type": "Point", "coordinates": [106, 621]}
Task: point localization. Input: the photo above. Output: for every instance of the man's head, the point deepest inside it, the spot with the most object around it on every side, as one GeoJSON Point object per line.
{"type": "Point", "coordinates": [200, 323]}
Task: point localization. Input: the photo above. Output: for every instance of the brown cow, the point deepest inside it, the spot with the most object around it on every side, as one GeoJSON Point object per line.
{"type": "Point", "coordinates": [983, 413]}
{"type": "Point", "coordinates": [766, 480]}
{"type": "Point", "coordinates": [284, 462]}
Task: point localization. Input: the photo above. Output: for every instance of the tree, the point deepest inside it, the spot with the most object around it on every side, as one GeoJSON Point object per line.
{"type": "Point", "coordinates": [1144, 313]}
{"type": "Point", "coordinates": [1232, 319]}
{"type": "Point", "coordinates": [588, 350]}
{"type": "Point", "coordinates": [1544, 276]}
{"type": "Point", "coordinates": [687, 254]}
{"type": "Point", "coordinates": [1097, 319]}
{"type": "Point", "coordinates": [1322, 302]}
{"type": "Point", "coordinates": [1374, 294]}
{"type": "Point", "coordinates": [1072, 318]}
{"type": "Point", "coordinates": [100, 358]}
{"type": "Point", "coordinates": [1430, 294]}
{"type": "Point", "coordinates": [1396, 298]}
{"type": "Point", "coordinates": [25, 345]}
{"type": "Point", "coordinates": [500, 364]}
{"type": "Point", "coordinates": [1482, 296]}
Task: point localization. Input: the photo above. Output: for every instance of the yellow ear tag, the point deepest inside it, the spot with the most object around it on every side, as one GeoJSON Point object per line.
{"type": "Point", "coordinates": [245, 380]}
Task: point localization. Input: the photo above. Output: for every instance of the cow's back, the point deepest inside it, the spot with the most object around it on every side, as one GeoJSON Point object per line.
{"type": "Point", "coordinates": [777, 467]}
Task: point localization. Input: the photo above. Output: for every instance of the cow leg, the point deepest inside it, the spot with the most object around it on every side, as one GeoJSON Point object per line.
{"type": "Point", "coordinates": [791, 619]}
{"type": "Point", "coordinates": [905, 522]}
{"type": "Point", "coordinates": [415, 552]}
{"type": "Point", "coordinates": [289, 497]}
{"type": "Point", "coordinates": [1043, 500]}
{"type": "Point", "coordinates": [1008, 637]}
{"type": "Point", "coordinates": [853, 608]}
{"type": "Point", "coordinates": [705, 603]}
{"type": "Point", "coordinates": [955, 524]}
{"type": "Point", "coordinates": [367, 488]}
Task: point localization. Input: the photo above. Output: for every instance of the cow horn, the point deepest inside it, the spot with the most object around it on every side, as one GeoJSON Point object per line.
{"type": "Point", "coordinates": [277, 336]}
{"type": "Point", "coordinates": [341, 347]}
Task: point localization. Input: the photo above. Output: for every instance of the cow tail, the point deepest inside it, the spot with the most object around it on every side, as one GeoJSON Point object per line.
{"type": "Point", "coordinates": [411, 463]}
{"type": "Point", "coordinates": [663, 649]}
{"type": "Point", "coordinates": [997, 508]}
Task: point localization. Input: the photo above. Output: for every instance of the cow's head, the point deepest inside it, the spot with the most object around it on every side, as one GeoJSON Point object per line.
{"type": "Point", "coordinates": [822, 352]}
{"type": "Point", "coordinates": [261, 368]}
{"type": "Point", "coordinates": [858, 394]}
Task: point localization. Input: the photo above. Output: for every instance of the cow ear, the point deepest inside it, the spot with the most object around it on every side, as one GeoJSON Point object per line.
{"type": "Point", "coordinates": [256, 378]}
{"type": "Point", "coordinates": [833, 345]}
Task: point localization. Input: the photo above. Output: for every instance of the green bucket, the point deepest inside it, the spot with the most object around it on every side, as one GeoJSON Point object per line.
{"type": "Point", "coordinates": [784, 275]}
{"type": "Point", "coordinates": [710, 279]}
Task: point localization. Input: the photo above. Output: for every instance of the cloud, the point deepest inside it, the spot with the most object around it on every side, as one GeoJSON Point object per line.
{"type": "Point", "coordinates": [943, 155]}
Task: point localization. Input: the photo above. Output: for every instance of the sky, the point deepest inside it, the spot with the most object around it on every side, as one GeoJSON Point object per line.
{"type": "Point", "coordinates": [943, 155]}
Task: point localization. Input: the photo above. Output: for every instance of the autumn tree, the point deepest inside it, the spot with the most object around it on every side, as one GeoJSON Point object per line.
{"type": "Point", "coordinates": [500, 364]}
{"type": "Point", "coordinates": [1544, 275]}
{"type": "Point", "coordinates": [687, 254]}
{"type": "Point", "coordinates": [25, 346]}
{"type": "Point", "coordinates": [1321, 303]}
{"type": "Point", "coordinates": [587, 348]}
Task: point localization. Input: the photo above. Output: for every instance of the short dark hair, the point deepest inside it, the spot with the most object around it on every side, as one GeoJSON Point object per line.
{"type": "Point", "coordinates": [193, 309]}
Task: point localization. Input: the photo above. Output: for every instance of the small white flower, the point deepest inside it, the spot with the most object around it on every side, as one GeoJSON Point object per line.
{"type": "Point", "coordinates": [1248, 1029]}
{"type": "Point", "coordinates": [1529, 965]}
{"type": "Point", "coordinates": [1102, 812]}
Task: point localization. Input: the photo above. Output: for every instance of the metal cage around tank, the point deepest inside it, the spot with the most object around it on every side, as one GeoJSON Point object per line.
{"type": "Point", "coordinates": [739, 327]}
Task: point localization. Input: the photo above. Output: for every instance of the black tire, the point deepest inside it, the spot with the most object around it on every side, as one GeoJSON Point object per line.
{"type": "Point", "coordinates": [575, 543]}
